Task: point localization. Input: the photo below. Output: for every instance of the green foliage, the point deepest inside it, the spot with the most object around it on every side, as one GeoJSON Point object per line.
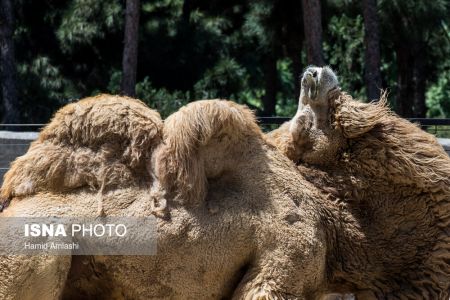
{"type": "Point", "coordinates": [87, 20]}
{"type": "Point", "coordinates": [49, 76]}
{"type": "Point", "coordinates": [213, 25]}
{"type": "Point", "coordinates": [438, 96]}
{"type": "Point", "coordinates": [226, 79]}
{"type": "Point", "coordinates": [418, 27]}
{"type": "Point", "coordinates": [407, 20]}
{"type": "Point", "coordinates": [193, 49]}
{"type": "Point", "coordinates": [164, 16]}
{"type": "Point", "coordinates": [41, 80]}
{"type": "Point", "coordinates": [286, 104]}
{"type": "Point", "coordinates": [344, 50]}
{"type": "Point", "coordinates": [256, 25]}
{"type": "Point", "coordinates": [164, 101]}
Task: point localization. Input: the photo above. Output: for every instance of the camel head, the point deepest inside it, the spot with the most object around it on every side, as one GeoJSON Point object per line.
{"type": "Point", "coordinates": [316, 84]}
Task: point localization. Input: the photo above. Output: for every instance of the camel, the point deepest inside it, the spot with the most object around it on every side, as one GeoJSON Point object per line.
{"type": "Point", "coordinates": [391, 182]}
{"type": "Point", "coordinates": [235, 218]}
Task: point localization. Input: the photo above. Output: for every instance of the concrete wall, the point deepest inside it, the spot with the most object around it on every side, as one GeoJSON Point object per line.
{"type": "Point", "coordinates": [14, 144]}
{"type": "Point", "coordinates": [446, 144]}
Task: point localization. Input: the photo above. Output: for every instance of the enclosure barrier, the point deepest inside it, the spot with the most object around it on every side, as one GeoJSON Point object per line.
{"type": "Point", "coordinates": [16, 138]}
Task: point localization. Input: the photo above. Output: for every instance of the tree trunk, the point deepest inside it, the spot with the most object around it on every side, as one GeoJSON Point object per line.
{"type": "Point", "coordinates": [294, 52]}
{"type": "Point", "coordinates": [130, 50]}
{"type": "Point", "coordinates": [405, 84]}
{"type": "Point", "coordinates": [271, 78]}
{"type": "Point", "coordinates": [186, 11]}
{"type": "Point", "coordinates": [297, 69]}
{"type": "Point", "coordinates": [312, 20]}
{"type": "Point", "coordinates": [419, 79]}
{"type": "Point", "coordinates": [7, 63]}
{"type": "Point", "coordinates": [293, 40]}
{"type": "Point", "coordinates": [372, 49]}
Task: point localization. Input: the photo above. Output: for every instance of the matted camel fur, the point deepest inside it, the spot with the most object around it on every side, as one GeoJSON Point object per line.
{"type": "Point", "coordinates": [232, 219]}
{"type": "Point", "coordinates": [389, 177]}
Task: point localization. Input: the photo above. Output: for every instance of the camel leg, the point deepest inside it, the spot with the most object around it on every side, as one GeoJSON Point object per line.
{"type": "Point", "coordinates": [294, 269]}
{"type": "Point", "coordinates": [257, 288]}
{"type": "Point", "coordinates": [268, 280]}
{"type": "Point", "coordinates": [33, 277]}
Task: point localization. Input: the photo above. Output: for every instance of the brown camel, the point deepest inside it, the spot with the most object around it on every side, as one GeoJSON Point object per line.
{"type": "Point", "coordinates": [391, 181]}
{"type": "Point", "coordinates": [235, 219]}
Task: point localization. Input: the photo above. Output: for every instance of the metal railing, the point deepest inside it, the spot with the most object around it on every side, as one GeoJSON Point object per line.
{"type": "Point", "coordinates": [421, 121]}
{"type": "Point", "coordinates": [13, 145]}
{"type": "Point", "coordinates": [439, 127]}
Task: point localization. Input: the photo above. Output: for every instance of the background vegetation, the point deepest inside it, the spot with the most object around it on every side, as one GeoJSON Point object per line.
{"type": "Point", "coordinates": [249, 51]}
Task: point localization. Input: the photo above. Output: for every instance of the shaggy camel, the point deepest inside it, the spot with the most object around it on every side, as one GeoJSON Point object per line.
{"type": "Point", "coordinates": [390, 179]}
{"type": "Point", "coordinates": [235, 218]}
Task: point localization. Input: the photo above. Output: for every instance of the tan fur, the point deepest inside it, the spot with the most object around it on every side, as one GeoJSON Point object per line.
{"type": "Point", "coordinates": [236, 224]}
{"type": "Point", "coordinates": [417, 155]}
{"type": "Point", "coordinates": [284, 141]}
{"type": "Point", "coordinates": [202, 140]}
{"type": "Point", "coordinates": [391, 181]}
{"type": "Point", "coordinates": [361, 221]}
{"type": "Point", "coordinates": [99, 141]}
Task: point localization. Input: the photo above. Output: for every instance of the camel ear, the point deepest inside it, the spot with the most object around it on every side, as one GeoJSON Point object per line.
{"type": "Point", "coordinates": [201, 141]}
{"type": "Point", "coordinates": [355, 118]}
{"type": "Point", "coordinates": [98, 142]}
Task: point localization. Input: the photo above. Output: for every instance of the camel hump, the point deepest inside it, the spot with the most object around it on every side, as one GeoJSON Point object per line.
{"type": "Point", "coordinates": [96, 142]}
{"type": "Point", "coordinates": [203, 140]}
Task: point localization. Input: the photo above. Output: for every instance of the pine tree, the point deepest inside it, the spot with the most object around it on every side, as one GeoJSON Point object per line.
{"type": "Point", "coordinates": [130, 50]}
{"type": "Point", "coordinates": [312, 20]}
{"type": "Point", "coordinates": [7, 63]}
{"type": "Point", "coordinates": [372, 49]}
